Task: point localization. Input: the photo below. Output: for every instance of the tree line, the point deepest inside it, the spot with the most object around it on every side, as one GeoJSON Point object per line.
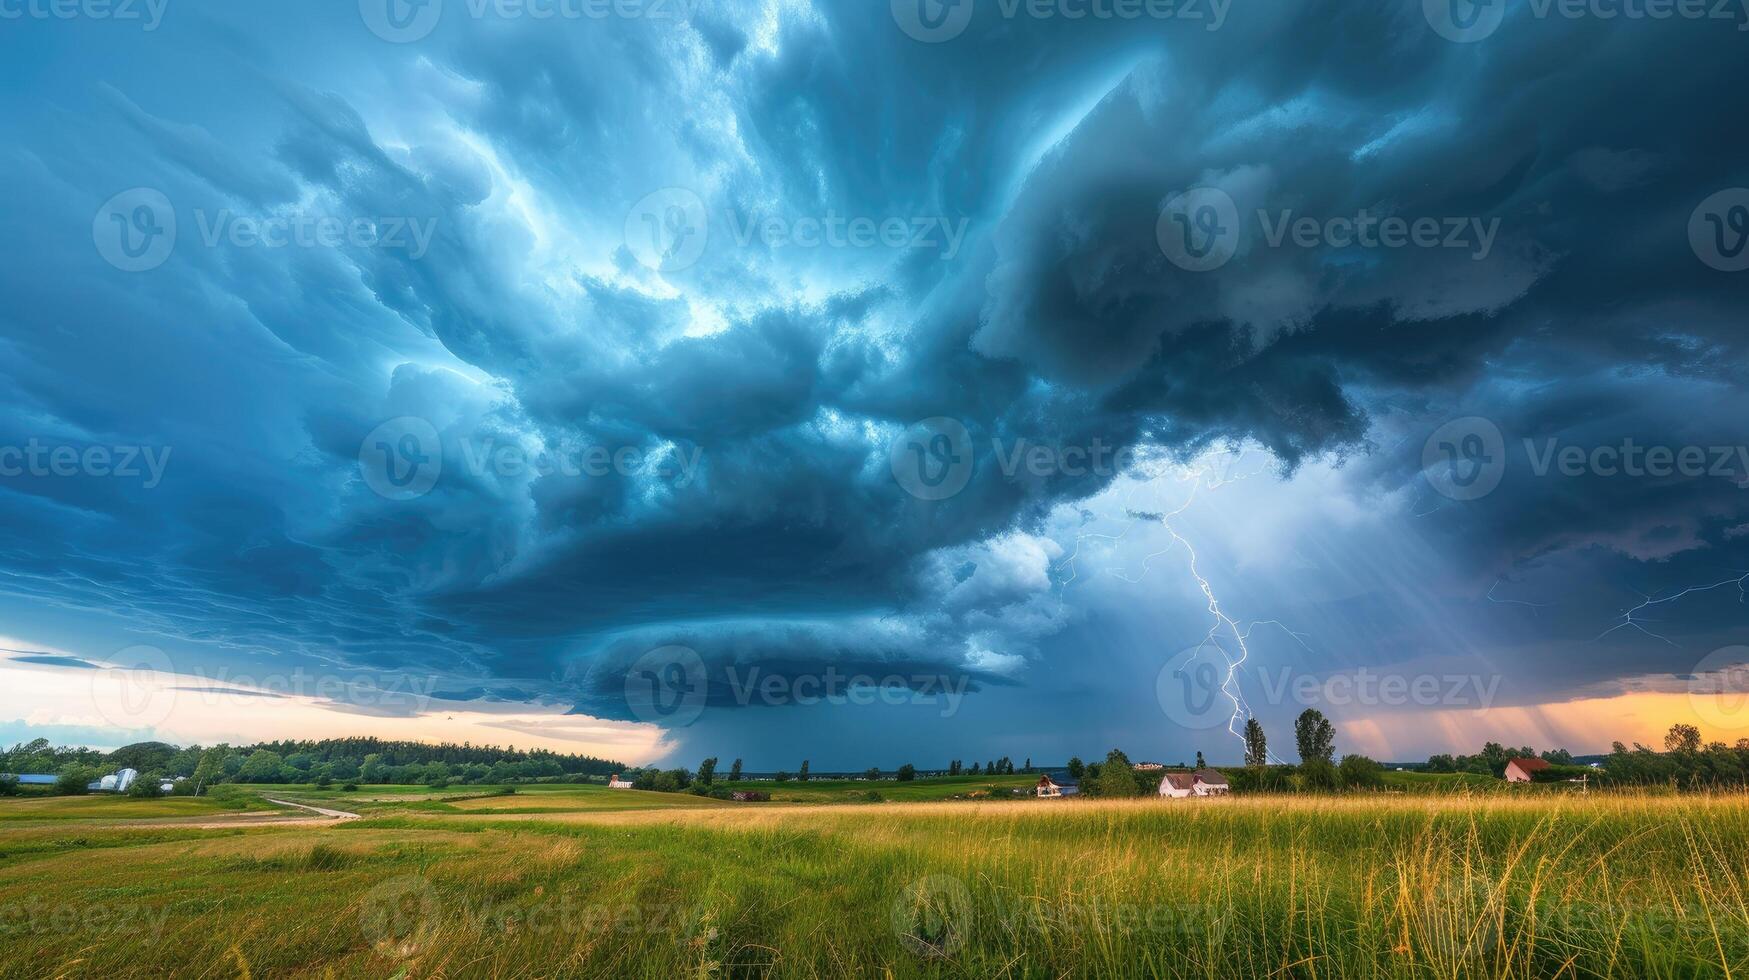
{"type": "Point", "coordinates": [319, 762]}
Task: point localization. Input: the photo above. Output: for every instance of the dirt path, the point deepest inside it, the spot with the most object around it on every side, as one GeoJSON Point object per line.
{"type": "Point", "coordinates": [319, 815]}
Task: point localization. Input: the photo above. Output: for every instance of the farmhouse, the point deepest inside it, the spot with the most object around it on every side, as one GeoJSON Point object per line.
{"type": "Point", "coordinates": [1210, 783]}
{"type": "Point", "coordinates": [1052, 785]}
{"type": "Point", "coordinates": [115, 782]}
{"type": "Point", "coordinates": [615, 782]}
{"type": "Point", "coordinates": [1521, 770]}
{"type": "Point", "coordinates": [1178, 785]}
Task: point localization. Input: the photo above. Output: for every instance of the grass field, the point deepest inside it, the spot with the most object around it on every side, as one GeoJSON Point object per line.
{"type": "Point", "coordinates": [584, 881]}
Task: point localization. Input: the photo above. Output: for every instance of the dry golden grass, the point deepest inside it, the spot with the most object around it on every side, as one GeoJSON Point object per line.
{"type": "Point", "coordinates": [1447, 887]}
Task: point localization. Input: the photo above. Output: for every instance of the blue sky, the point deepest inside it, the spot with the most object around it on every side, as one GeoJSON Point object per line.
{"type": "Point", "coordinates": [462, 370]}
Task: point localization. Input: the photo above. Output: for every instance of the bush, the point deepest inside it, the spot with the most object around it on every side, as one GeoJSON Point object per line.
{"type": "Point", "coordinates": [349, 788]}
{"type": "Point", "coordinates": [73, 782]}
{"type": "Point", "coordinates": [8, 786]}
{"type": "Point", "coordinates": [1360, 772]}
{"type": "Point", "coordinates": [1318, 775]}
{"type": "Point", "coordinates": [145, 788]}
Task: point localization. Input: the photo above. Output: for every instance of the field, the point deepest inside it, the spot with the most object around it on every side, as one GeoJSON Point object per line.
{"type": "Point", "coordinates": [582, 881]}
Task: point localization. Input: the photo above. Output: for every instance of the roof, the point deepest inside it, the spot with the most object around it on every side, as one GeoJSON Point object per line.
{"type": "Point", "coordinates": [1529, 765]}
{"type": "Point", "coordinates": [1211, 777]}
{"type": "Point", "coordinates": [1181, 780]}
{"type": "Point", "coordinates": [34, 778]}
{"type": "Point", "coordinates": [1060, 778]}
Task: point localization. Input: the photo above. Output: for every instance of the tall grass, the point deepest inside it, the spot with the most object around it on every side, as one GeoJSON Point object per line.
{"type": "Point", "coordinates": [1439, 887]}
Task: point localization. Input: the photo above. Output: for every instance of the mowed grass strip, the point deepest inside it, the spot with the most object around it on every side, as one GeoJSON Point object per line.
{"type": "Point", "coordinates": [1505, 886]}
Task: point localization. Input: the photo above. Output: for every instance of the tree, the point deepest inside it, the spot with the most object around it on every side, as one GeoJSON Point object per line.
{"type": "Point", "coordinates": [1360, 772]}
{"type": "Point", "coordinates": [907, 772]}
{"type": "Point", "coordinates": [1682, 738]}
{"type": "Point", "coordinates": [1117, 777]}
{"type": "Point", "coordinates": [74, 781]}
{"type": "Point", "coordinates": [1558, 757]}
{"type": "Point", "coordinates": [8, 785]}
{"type": "Point", "coordinates": [148, 787]}
{"type": "Point", "coordinates": [1077, 768]}
{"type": "Point", "coordinates": [954, 768]}
{"type": "Point", "coordinates": [783, 777]}
{"type": "Point", "coordinates": [804, 773]}
{"type": "Point", "coordinates": [1314, 736]}
{"type": "Point", "coordinates": [975, 769]}
{"type": "Point", "coordinates": [735, 772]}
{"type": "Point", "coordinates": [1318, 774]}
{"type": "Point", "coordinates": [872, 774]}
{"type": "Point", "coordinates": [1256, 744]}
{"type": "Point", "coordinates": [707, 770]}
{"type": "Point", "coordinates": [1028, 769]}
{"type": "Point", "coordinates": [1199, 763]}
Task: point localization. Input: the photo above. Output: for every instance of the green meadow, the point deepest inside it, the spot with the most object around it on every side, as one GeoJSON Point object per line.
{"type": "Point", "coordinates": [583, 881]}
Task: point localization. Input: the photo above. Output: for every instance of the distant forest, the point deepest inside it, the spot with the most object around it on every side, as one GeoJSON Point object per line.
{"type": "Point", "coordinates": [334, 760]}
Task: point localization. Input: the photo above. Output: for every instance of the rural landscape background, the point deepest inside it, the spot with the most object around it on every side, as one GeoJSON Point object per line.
{"type": "Point", "coordinates": [874, 488]}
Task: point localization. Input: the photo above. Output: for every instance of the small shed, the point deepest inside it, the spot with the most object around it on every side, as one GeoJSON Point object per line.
{"type": "Point", "coordinates": [1522, 770]}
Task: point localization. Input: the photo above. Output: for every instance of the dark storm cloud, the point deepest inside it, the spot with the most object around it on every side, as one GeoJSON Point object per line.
{"type": "Point", "coordinates": [761, 387]}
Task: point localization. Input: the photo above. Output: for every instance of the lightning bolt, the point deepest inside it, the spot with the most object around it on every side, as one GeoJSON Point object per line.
{"type": "Point", "coordinates": [1630, 617]}
{"type": "Point", "coordinates": [1222, 627]}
